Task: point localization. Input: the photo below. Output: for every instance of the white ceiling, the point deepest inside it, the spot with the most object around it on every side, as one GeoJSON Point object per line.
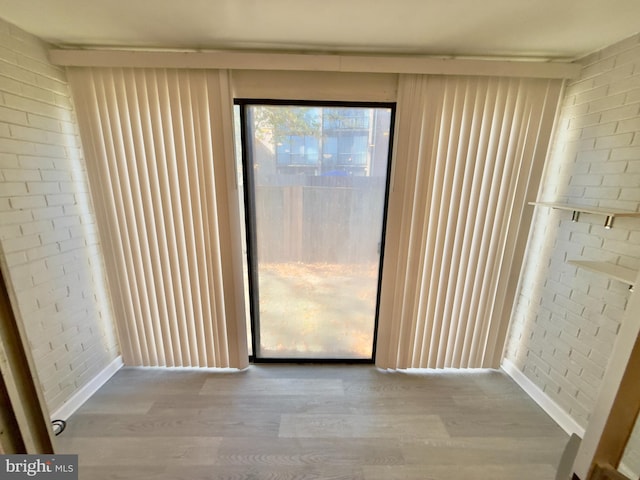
{"type": "Point", "coordinates": [515, 28]}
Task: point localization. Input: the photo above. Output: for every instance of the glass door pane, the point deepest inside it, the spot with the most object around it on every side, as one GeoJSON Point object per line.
{"type": "Point", "coordinates": [316, 178]}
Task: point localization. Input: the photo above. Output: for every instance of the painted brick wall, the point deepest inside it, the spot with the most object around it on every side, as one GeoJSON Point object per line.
{"type": "Point", "coordinates": [47, 229]}
{"type": "Point", "coordinates": [566, 319]}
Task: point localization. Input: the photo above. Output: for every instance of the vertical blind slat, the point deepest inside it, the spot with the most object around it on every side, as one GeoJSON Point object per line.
{"type": "Point", "coordinates": [228, 211]}
{"type": "Point", "coordinates": [195, 172]}
{"type": "Point", "coordinates": [206, 174]}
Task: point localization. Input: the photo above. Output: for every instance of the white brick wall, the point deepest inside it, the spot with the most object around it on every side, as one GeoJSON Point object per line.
{"type": "Point", "coordinates": [566, 319]}
{"type": "Point", "coordinates": [47, 228]}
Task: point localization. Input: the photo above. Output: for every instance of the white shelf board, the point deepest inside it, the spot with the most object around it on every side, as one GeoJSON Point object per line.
{"type": "Point", "coordinates": [608, 212]}
{"type": "Point", "coordinates": [622, 274]}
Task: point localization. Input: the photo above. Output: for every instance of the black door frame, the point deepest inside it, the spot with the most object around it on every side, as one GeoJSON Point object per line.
{"type": "Point", "coordinates": [250, 222]}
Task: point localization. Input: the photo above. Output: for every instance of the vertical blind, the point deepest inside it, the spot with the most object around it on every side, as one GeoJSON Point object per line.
{"type": "Point", "coordinates": [159, 153]}
{"type": "Point", "coordinates": [468, 155]}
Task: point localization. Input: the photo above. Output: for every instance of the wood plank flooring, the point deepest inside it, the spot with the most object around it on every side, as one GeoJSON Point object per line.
{"type": "Point", "coordinates": [299, 422]}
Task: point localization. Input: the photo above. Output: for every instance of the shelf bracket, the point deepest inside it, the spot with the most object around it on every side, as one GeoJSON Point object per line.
{"type": "Point", "coordinates": [608, 223]}
{"type": "Point", "coordinates": [575, 216]}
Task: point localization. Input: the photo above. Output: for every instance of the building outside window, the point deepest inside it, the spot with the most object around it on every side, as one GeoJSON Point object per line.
{"type": "Point", "coordinates": [336, 141]}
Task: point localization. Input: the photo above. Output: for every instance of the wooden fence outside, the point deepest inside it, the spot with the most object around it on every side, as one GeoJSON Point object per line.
{"type": "Point", "coordinates": [334, 221]}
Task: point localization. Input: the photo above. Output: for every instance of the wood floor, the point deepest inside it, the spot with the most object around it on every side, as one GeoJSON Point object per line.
{"type": "Point", "coordinates": [298, 422]}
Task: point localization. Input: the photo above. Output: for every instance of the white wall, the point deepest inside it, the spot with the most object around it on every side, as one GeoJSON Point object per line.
{"type": "Point", "coordinates": [630, 463]}
{"type": "Point", "coordinates": [566, 319]}
{"type": "Point", "coordinates": [47, 227]}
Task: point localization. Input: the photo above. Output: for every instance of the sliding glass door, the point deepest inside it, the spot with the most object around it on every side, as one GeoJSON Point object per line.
{"type": "Point", "coordinates": [316, 178]}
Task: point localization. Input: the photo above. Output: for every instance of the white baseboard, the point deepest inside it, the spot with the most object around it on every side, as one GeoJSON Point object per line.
{"type": "Point", "coordinates": [562, 418]}
{"type": "Point", "coordinates": [623, 469]}
{"type": "Point", "coordinates": [82, 395]}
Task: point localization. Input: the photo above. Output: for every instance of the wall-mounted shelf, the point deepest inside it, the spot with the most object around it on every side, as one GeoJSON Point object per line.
{"type": "Point", "coordinates": [622, 274]}
{"type": "Point", "coordinates": [609, 213]}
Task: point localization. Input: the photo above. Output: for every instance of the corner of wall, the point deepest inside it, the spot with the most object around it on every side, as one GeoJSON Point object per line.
{"type": "Point", "coordinates": [80, 396]}
{"type": "Point", "coordinates": [557, 413]}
